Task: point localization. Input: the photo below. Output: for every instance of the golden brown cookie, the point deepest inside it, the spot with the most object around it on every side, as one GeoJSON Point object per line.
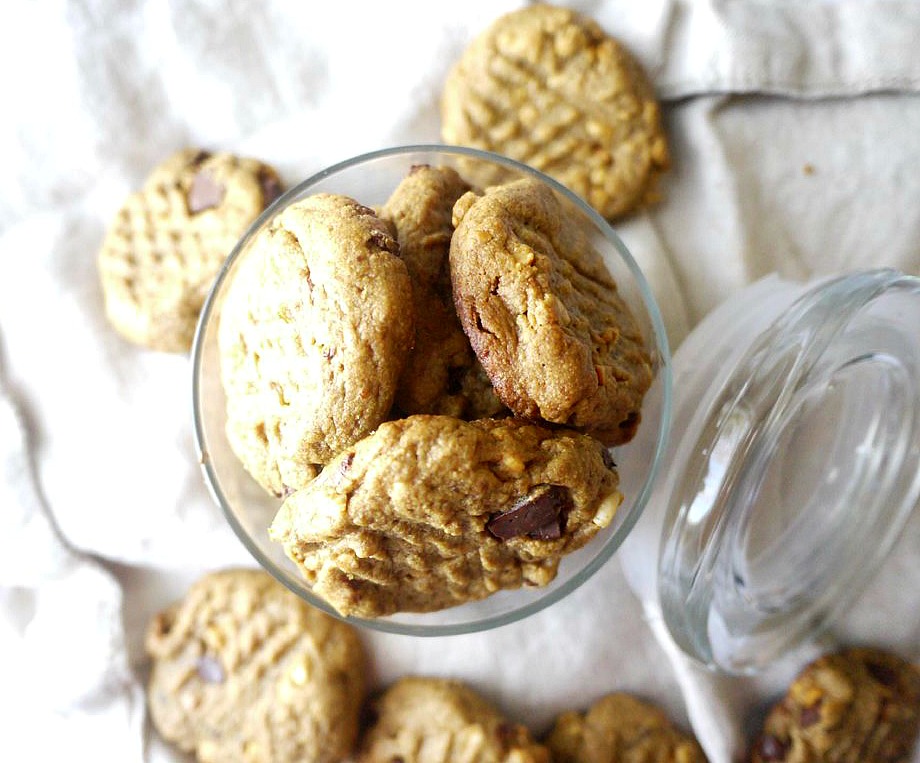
{"type": "Point", "coordinates": [243, 670]}
{"type": "Point", "coordinates": [621, 729]}
{"type": "Point", "coordinates": [543, 313]}
{"type": "Point", "coordinates": [431, 511]}
{"type": "Point", "coordinates": [442, 374]}
{"type": "Point", "coordinates": [314, 332]}
{"type": "Point", "coordinates": [856, 705]}
{"type": "Point", "coordinates": [431, 720]}
{"type": "Point", "coordinates": [545, 85]}
{"type": "Point", "coordinates": [167, 242]}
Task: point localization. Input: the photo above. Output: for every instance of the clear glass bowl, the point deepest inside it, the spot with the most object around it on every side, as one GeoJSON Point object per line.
{"type": "Point", "coordinates": [249, 509]}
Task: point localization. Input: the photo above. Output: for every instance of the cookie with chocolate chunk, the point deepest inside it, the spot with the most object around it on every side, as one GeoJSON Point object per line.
{"type": "Point", "coordinates": [859, 704]}
{"type": "Point", "coordinates": [442, 374]}
{"type": "Point", "coordinates": [314, 332]}
{"type": "Point", "coordinates": [168, 240]}
{"type": "Point", "coordinates": [244, 670]}
{"type": "Point", "coordinates": [433, 720]}
{"type": "Point", "coordinates": [621, 728]}
{"type": "Point", "coordinates": [431, 511]}
{"type": "Point", "coordinates": [543, 313]}
{"type": "Point", "coordinates": [546, 86]}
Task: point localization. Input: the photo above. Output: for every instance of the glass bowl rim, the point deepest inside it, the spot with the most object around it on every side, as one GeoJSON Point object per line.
{"type": "Point", "coordinates": [663, 377]}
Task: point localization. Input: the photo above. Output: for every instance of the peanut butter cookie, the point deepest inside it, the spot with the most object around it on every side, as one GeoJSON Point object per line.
{"type": "Point", "coordinates": [442, 374]}
{"type": "Point", "coordinates": [431, 511]}
{"type": "Point", "coordinates": [545, 85]}
{"type": "Point", "coordinates": [621, 729]}
{"type": "Point", "coordinates": [167, 242]}
{"type": "Point", "coordinates": [431, 720]}
{"type": "Point", "coordinates": [243, 670]}
{"type": "Point", "coordinates": [543, 313]}
{"type": "Point", "coordinates": [314, 332]}
{"type": "Point", "coordinates": [856, 705]}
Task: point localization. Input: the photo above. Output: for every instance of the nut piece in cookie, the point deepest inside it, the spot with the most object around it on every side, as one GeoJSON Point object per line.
{"type": "Point", "coordinates": [431, 511]}
{"type": "Point", "coordinates": [546, 86]}
{"type": "Point", "coordinates": [433, 720]}
{"type": "Point", "coordinates": [623, 729]}
{"type": "Point", "coordinates": [859, 704]}
{"type": "Point", "coordinates": [244, 670]}
{"type": "Point", "coordinates": [543, 313]}
{"type": "Point", "coordinates": [442, 374]}
{"type": "Point", "coordinates": [167, 242]}
{"type": "Point", "coordinates": [314, 332]}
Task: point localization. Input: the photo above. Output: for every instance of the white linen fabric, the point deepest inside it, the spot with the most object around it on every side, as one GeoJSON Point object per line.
{"type": "Point", "coordinates": [794, 133]}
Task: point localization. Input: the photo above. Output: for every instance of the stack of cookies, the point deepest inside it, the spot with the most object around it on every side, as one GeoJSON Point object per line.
{"type": "Point", "coordinates": [431, 388]}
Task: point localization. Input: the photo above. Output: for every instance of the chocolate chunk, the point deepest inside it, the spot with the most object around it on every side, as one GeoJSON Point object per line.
{"type": "Point", "coordinates": [271, 186]}
{"type": "Point", "coordinates": [882, 673]}
{"type": "Point", "coordinates": [383, 241]}
{"type": "Point", "coordinates": [771, 748]}
{"type": "Point", "coordinates": [540, 515]}
{"type": "Point", "coordinates": [608, 459]}
{"type": "Point", "coordinates": [205, 193]}
{"type": "Point", "coordinates": [210, 670]}
{"type": "Point", "coordinates": [200, 157]}
{"type": "Point", "coordinates": [810, 715]}
{"type": "Point", "coordinates": [630, 422]}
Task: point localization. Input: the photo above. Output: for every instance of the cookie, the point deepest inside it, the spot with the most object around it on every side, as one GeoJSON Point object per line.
{"type": "Point", "coordinates": [431, 511]}
{"type": "Point", "coordinates": [442, 374]}
{"type": "Point", "coordinates": [432, 720]}
{"type": "Point", "coordinates": [856, 705]}
{"type": "Point", "coordinates": [243, 670]}
{"type": "Point", "coordinates": [167, 242]}
{"type": "Point", "coordinates": [314, 332]}
{"type": "Point", "coordinates": [543, 313]}
{"type": "Point", "coordinates": [546, 86]}
{"type": "Point", "coordinates": [621, 729]}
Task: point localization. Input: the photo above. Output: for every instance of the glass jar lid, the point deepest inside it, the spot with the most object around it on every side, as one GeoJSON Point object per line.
{"type": "Point", "coordinates": [796, 474]}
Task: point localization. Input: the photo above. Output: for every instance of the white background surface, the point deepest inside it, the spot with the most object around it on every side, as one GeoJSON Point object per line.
{"type": "Point", "coordinates": [795, 131]}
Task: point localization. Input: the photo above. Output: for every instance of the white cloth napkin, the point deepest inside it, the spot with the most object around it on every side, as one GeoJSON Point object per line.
{"type": "Point", "coordinates": [758, 184]}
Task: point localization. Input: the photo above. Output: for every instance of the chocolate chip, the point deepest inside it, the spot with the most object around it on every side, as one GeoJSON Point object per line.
{"type": "Point", "coordinates": [810, 715]}
{"type": "Point", "coordinates": [271, 186]}
{"type": "Point", "coordinates": [630, 422]}
{"type": "Point", "coordinates": [162, 624]}
{"type": "Point", "coordinates": [383, 241]}
{"type": "Point", "coordinates": [539, 515]}
{"type": "Point", "coordinates": [205, 193]}
{"type": "Point", "coordinates": [209, 670]}
{"type": "Point", "coordinates": [200, 158]}
{"type": "Point", "coordinates": [882, 673]}
{"type": "Point", "coordinates": [608, 459]}
{"type": "Point", "coordinates": [771, 748]}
